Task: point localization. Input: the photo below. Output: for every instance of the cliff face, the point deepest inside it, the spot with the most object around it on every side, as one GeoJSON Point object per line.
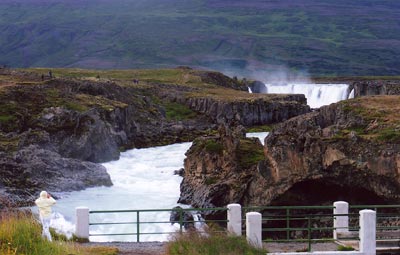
{"type": "Point", "coordinates": [219, 169]}
{"type": "Point", "coordinates": [346, 151]}
{"type": "Point", "coordinates": [351, 147]}
{"type": "Point", "coordinates": [249, 113]}
{"type": "Point", "coordinates": [376, 87]}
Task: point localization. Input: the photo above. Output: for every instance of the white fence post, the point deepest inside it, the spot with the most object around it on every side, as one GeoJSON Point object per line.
{"type": "Point", "coordinates": [340, 223]}
{"type": "Point", "coordinates": [235, 219]}
{"type": "Point", "coordinates": [368, 232]}
{"type": "Point", "coordinates": [254, 228]}
{"type": "Point", "coordinates": [82, 222]}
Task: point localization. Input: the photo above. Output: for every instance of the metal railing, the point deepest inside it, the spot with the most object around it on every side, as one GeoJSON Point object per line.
{"type": "Point", "coordinates": [310, 224]}
{"type": "Point", "coordinates": [387, 220]}
{"type": "Point", "coordinates": [137, 220]}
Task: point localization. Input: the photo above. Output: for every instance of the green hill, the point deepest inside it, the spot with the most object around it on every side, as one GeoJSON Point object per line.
{"type": "Point", "coordinates": [320, 37]}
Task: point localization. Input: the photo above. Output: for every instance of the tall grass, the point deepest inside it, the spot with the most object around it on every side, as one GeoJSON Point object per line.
{"type": "Point", "coordinates": [20, 233]}
{"type": "Point", "coordinates": [214, 244]}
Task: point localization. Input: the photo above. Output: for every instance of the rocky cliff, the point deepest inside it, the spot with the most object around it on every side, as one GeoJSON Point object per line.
{"type": "Point", "coordinates": [219, 169]}
{"type": "Point", "coordinates": [375, 87]}
{"type": "Point", "coordinates": [346, 151]}
{"type": "Point", "coordinates": [258, 111]}
{"type": "Point", "coordinates": [75, 121]}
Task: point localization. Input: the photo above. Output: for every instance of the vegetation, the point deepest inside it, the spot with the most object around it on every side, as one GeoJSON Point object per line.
{"type": "Point", "coordinates": [381, 116]}
{"type": "Point", "coordinates": [249, 153]}
{"type": "Point", "coordinates": [345, 248]}
{"type": "Point", "coordinates": [176, 111]}
{"type": "Point", "coordinates": [205, 244]}
{"type": "Point", "coordinates": [323, 37]}
{"type": "Point", "coordinates": [20, 233]}
{"type": "Point", "coordinates": [264, 128]}
{"type": "Point", "coordinates": [215, 147]}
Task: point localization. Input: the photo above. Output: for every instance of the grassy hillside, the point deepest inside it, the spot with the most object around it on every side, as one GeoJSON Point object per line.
{"type": "Point", "coordinates": [321, 37]}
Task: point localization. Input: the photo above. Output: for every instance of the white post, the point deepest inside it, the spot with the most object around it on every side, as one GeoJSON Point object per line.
{"type": "Point", "coordinates": [235, 219]}
{"type": "Point", "coordinates": [82, 222]}
{"type": "Point", "coordinates": [253, 229]}
{"type": "Point", "coordinates": [340, 223]}
{"type": "Point", "coordinates": [368, 232]}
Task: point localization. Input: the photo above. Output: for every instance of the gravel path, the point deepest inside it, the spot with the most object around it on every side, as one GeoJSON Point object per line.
{"type": "Point", "coordinates": [159, 248]}
{"type": "Point", "coordinates": [133, 248]}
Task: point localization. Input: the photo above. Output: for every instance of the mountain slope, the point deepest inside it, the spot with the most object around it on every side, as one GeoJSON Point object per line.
{"type": "Point", "coordinates": [319, 37]}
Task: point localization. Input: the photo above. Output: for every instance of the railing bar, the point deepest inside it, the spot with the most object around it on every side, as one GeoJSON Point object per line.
{"type": "Point", "coordinates": [162, 210]}
{"type": "Point", "coordinates": [288, 207]}
{"type": "Point", "coordinates": [296, 240]}
{"type": "Point", "coordinates": [373, 206]}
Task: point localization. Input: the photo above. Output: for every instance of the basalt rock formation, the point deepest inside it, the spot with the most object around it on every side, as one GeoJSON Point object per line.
{"type": "Point", "coordinates": [346, 151]}
{"type": "Point", "coordinates": [220, 168]}
{"type": "Point", "coordinates": [349, 150]}
{"type": "Point", "coordinates": [375, 87]}
{"type": "Point", "coordinates": [259, 111]}
{"type": "Point", "coordinates": [78, 121]}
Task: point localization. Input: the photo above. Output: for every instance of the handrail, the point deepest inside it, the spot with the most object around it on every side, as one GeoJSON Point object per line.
{"type": "Point", "coordinates": [138, 222]}
{"type": "Point", "coordinates": [291, 219]}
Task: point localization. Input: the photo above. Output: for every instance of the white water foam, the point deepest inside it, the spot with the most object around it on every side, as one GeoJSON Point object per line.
{"type": "Point", "coordinates": [259, 135]}
{"type": "Point", "coordinates": [317, 94]}
{"type": "Point", "coordinates": [143, 179]}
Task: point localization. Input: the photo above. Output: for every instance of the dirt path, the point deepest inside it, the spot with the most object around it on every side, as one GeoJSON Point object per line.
{"type": "Point", "coordinates": [159, 248]}
{"type": "Point", "coordinates": [133, 248]}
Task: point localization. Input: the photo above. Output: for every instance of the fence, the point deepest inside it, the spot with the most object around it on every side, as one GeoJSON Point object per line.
{"type": "Point", "coordinates": [84, 222]}
{"type": "Point", "coordinates": [276, 223]}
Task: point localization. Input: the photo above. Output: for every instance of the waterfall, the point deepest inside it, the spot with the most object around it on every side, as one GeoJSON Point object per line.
{"type": "Point", "coordinates": [317, 94]}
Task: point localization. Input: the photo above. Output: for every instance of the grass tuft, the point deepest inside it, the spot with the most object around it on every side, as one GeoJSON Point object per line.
{"type": "Point", "coordinates": [20, 233]}
{"type": "Point", "coordinates": [345, 248]}
{"type": "Point", "coordinates": [221, 244]}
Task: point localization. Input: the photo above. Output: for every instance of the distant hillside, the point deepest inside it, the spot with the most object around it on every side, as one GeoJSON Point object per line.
{"type": "Point", "coordinates": [320, 37]}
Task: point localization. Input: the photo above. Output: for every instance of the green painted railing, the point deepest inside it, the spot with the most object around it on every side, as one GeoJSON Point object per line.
{"type": "Point", "coordinates": [310, 224]}
{"type": "Point", "coordinates": [139, 222]}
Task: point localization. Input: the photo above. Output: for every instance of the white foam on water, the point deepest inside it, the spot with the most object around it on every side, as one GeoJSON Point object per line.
{"type": "Point", "coordinates": [259, 135]}
{"type": "Point", "coordinates": [142, 179]}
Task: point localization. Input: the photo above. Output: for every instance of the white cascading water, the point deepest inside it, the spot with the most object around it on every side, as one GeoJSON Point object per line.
{"type": "Point", "coordinates": [317, 94]}
{"type": "Point", "coordinates": [143, 179]}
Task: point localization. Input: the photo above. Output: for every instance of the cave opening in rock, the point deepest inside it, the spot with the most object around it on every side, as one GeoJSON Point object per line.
{"type": "Point", "coordinates": [326, 192]}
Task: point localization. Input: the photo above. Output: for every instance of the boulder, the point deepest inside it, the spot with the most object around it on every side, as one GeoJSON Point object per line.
{"type": "Point", "coordinates": [33, 169]}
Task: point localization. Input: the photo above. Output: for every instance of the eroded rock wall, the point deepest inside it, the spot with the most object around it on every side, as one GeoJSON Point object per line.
{"type": "Point", "coordinates": [336, 153]}
{"type": "Point", "coordinates": [250, 113]}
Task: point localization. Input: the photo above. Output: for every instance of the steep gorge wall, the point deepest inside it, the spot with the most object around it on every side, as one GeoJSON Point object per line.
{"type": "Point", "coordinates": [317, 158]}
{"type": "Point", "coordinates": [376, 87]}
{"type": "Point", "coordinates": [259, 111]}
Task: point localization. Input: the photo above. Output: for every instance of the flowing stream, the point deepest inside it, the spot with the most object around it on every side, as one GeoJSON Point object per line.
{"type": "Point", "coordinates": [143, 179]}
